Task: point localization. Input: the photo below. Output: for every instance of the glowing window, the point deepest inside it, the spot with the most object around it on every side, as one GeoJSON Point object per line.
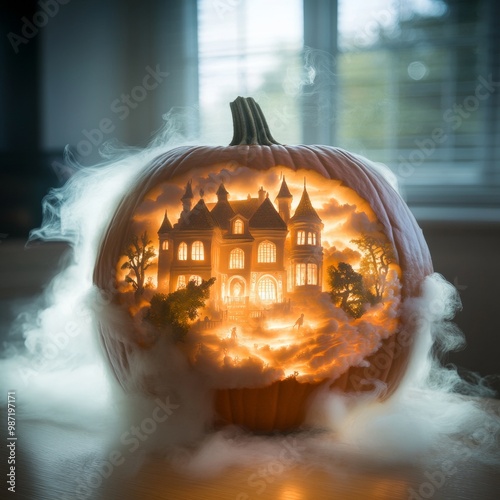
{"type": "Point", "coordinates": [198, 251]}
{"type": "Point", "coordinates": [311, 238]}
{"type": "Point", "coordinates": [301, 237]}
{"type": "Point", "coordinates": [238, 226]}
{"type": "Point", "coordinates": [267, 290]}
{"type": "Point", "coordinates": [312, 274]}
{"type": "Point", "coordinates": [266, 252]}
{"type": "Point", "coordinates": [182, 253]}
{"type": "Point", "coordinates": [164, 245]}
{"type": "Point", "coordinates": [237, 259]}
{"type": "Point", "coordinates": [181, 282]}
{"type": "Point", "coordinates": [197, 279]}
{"type": "Point", "coordinates": [300, 274]}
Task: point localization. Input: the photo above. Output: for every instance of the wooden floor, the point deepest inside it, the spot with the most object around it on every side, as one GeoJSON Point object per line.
{"type": "Point", "coordinates": [57, 462]}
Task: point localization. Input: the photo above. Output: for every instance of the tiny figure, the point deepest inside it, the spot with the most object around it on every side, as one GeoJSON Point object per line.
{"type": "Point", "coordinates": [299, 322]}
{"type": "Point", "coordinates": [233, 333]}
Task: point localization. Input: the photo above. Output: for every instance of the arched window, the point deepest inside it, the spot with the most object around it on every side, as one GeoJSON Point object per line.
{"type": "Point", "coordinates": [301, 237]}
{"type": "Point", "coordinates": [238, 226]}
{"type": "Point", "coordinates": [182, 253]}
{"type": "Point", "coordinates": [267, 289]}
{"type": "Point", "coordinates": [312, 274]}
{"type": "Point", "coordinates": [181, 282]}
{"type": "Point", "coordinates": [237, 259]}
{"type": "Point", "coordinates": [164, 245]}
{"type": "Point", "coordinates": [197, 279]}
{"type": "Point", "coordinates": [311, 238]}
{"type": "Point", "coordinates": [198, 251]}
{"type": "Point", "coordinates": [300, 274]}
{"type": "Point", "coordinates": [266, 252]}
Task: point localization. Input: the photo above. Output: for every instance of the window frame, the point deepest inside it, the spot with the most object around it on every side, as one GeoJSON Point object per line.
{"type": "Point", "coordinates": [182, 251]}
{"type": "Point", "coordinates": [198, 251]}
{"type": "Point", "coordinates": [438, 200]}
{"type": "Point", "coordinates": [196, 278]}
{"type": "Point", "coordinates": [301, 237]}
{"type": "Point", "coordinates": [266, 252]}
{"type": "Point", "coordinates": [237, 258]}
{"type": "Point", "coordinates": [238, 226]}
{"type": "Point", "coordinates": [181, 282]}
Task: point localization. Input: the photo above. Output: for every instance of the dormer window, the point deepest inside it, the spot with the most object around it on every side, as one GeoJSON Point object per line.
{"type": "Point", "coordinates": [238, 226]}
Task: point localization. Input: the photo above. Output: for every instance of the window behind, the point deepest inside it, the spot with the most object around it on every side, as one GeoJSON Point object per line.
{"type": "Point", "coordinates": [250, 48]}
{"type": "Point", "coordinates": [412, 84]}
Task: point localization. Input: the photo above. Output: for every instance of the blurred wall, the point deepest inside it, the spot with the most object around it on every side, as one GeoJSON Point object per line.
{"type": "Point", "coordinates": [467, 255]}
{"type": "Point", "coordinates": [81, 74]}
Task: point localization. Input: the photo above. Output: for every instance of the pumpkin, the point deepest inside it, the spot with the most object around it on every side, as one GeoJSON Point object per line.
{"type": "Point", "coordinates": [272, 269]}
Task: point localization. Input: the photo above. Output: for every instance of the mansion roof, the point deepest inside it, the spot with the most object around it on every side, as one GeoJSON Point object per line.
{"type": "Point", "coordinates": [260, 213]}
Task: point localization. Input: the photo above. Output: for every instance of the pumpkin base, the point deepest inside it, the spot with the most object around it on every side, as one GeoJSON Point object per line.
{"type": "Point", "coordinates": [279, 407]}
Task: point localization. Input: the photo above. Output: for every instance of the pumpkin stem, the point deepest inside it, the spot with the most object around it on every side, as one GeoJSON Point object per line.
{"type": "Point", "coordinates": [249, 124]}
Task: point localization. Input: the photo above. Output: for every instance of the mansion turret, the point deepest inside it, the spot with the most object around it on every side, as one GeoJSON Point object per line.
{"type": "Point", "coordinates": [259, 254]}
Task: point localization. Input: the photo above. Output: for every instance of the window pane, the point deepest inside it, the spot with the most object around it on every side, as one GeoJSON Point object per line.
{"type": "Point", "coordinates": [300, 274]}
{"type": "Point", "coordinates": [407, 80]}
{"type": "Point", "coordinates": [181, 282]}
{"type": "Point", "coordinates": [197, 279]}
{"type": "Point", "coordinates": [266, 252]}
{"type": "Point", "coordinates": [250, 48]}
{"type": "Point", "coordinates": [312, 274]}
{"type": "Point", "coordinates": [238, 226]}
{"type": "Point", "coordinates": [301, 237]}
{"type": "Point", "coordinates": [197, 251]}
{"type": "Point", "coordinates": [236, 259]}
{"type": "Point", "coordinates": [267, 289]}
{"type": "Point", "coordinates": [182, 252]}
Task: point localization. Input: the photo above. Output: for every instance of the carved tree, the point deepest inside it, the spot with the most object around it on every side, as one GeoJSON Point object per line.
{"type": "Point", "coordinates": [139, 253]}
{"type": "Point", "coordinates": [175, 310]}
{"type": "Point", "coordinates": [377, 256]}
{"type": "Point", "coordinates": [347, 290]}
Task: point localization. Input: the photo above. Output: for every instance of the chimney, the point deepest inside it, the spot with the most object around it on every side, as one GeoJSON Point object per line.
{"type": "Point", "coordinates": [262, 195]}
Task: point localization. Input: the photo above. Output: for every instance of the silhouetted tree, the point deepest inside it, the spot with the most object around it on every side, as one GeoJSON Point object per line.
{"type": "Point", "coordinates": [176, 309]}
{"type": "Point", "coordinates": [347, 290]}
{"type": "Point", "coordinates": [139, 253]}
{"type": "Point", "coordinates": [377, 255]}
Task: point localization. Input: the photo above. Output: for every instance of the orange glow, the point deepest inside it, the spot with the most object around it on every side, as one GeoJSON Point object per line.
{"type": "Point", "coordinates": [271, 314]}
{"type": "Point", "coordinates": [291, 492]}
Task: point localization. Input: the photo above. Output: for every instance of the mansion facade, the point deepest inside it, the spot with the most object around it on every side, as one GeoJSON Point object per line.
{"type": "Point", "coordinates": [259, 254]}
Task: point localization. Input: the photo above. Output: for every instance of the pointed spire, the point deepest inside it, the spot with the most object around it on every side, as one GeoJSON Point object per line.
{"type": "Point", "coordinates": [305, 211]}
{"type": "Point", "coordinates": [187, 199]}
{"type": "Point", "coordinates": [222, 212]}
{"type": "Point", "coordinates": [222, 192]}
{"type": "Point", "coordinates": [166, 226]}
{"type": "Point", "coordinates": [188, 193]}
{"type": "Point", "coordinates": [284, 192]}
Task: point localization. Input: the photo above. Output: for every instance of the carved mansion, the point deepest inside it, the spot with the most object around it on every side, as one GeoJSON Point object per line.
{"type": "Point", "coordinates": [258, 254]}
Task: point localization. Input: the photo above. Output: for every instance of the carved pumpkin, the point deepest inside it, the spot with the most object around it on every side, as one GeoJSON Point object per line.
{"type": "Point", "coordinates": [273, 269]}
